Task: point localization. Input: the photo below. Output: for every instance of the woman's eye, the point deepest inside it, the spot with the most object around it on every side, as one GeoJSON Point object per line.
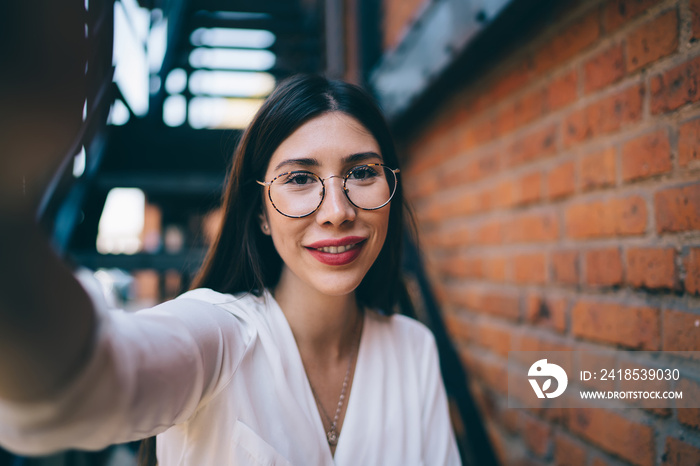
{"type": "Point", "coordinates": [362, 173]}
{"type": "Point", "coordinates": [299, 179]}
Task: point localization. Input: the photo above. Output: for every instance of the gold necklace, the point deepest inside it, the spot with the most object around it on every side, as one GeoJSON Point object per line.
{"type": "Point", "coordinates": [332, 433]}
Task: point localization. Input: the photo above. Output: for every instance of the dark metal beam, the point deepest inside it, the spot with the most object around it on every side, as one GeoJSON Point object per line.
{"type": "Point", "coordinates": [164, 183]}
{"type": "Point", "coordinates": [185, 262]}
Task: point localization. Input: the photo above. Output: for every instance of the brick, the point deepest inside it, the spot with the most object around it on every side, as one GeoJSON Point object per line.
{"type": "Point", "coordinates": [489, 233]}
{"type": "Point", "coordinates": [504, 194]}
{"type": "Point", "coordinates": [547, 312]}
{"type": "Point", "coordinates": [528, 107]}
{"type": "Point", "coordinates": [534, 145]}
{"type": "Point", "coordinates": [447, 239]}
{"type": "Point", "coordinates": [695, 18]}
{"type": "Point", "coordinates": [605, 68]}
{"type": "Point", "coordinates": [594, 219]}
{"type": "Point", "coordinates": [614, 433]}
{"type": "Point", "coordinates": [531, 342]}
{"type": "Point", "coordinates": [689, 417]}
{"type": "Point", "coordinates": [568, 452]}
{"type": "Point", "coordinates": [509, 419]}
{"type": "Point", "coordinates": [646, 156]}
{"type": "Point", "coordinates": [604, 116]}
{"type": "Point", "coordinates": [589, 220]}
{"type": "Point", "coordinates": [493, 337]}
{"type": "Point", "coordinates": [679, 453]}
{"type": "Point", "coordinates": [530, 268]}
{"type": "Point", "coordinates": [629, 326]}
{"type": "Point", "coordinates": [561, 91]}
{"type": "Point", "coordinates": [455, 266]}
{"type": "Point", "coordinates": [498, 304]}
{"type": "Point", "coordinates": [681, 331]}
{"type": "Point", "coordinates": [652, 40]}
{"type": "Point", "coordinates": [494, 268]}
{"type": "Point", "coordinates": [603, 267]}
{"type": "Point", "coordinates": [561, 181]}
{"type": "Point", "coordinates": [458, 328]}
{"type": "Point", "coordinates": [532, 228]}
{"type": "Point", "coordinates": [689, 142]}
{"type": "Point", "coordinates": [421, 185]}
{"type": "Point", "coordinates": [573, 39]}
{"type": "Point", "coordinates": [597, 169]}
{"type": "Point", "coordinates": [620, 12]}
{"type": "Point", "coordinates": [652, 268]}
{"type": "Point", "coordinates": [678, 209]}
{"type": "Point", "coordinates": [536, 433]}
{"type": "Point", "coordinates": [484, 199]}
{"type": "Point", "coordinates": [510, 82]}
{"type": "Point", "coordinates": [565, 267]}
{"type": "Point", "coordinates": [505, 120]}
{"type": "Point", "coordinates": [675, 87]}
{"type": "Point", "coordinates": [473, 170]}
{"type": "Point", "coordinates": [630, 215]}
{"type": "Point", "coordinates": [692, 271]}
{"type": "Point", "coordinates": [452, 207]}
{"type": "Point", "coordinates": [492, 374]}
{"type": "Point", "coordinates": [528, 189]}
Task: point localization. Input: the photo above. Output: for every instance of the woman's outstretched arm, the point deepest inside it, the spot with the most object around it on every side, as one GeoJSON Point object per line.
{"type": "Point", "coordinates": [46, 321]}
{"type": "Point", "coordinates": [73, 375]}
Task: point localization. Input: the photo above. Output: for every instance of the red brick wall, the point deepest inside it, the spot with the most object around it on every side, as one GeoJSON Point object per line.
{"type": "Point", "coordinates": [558, 200]}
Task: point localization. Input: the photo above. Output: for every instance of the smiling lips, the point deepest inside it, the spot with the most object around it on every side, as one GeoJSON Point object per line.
{"type": "Point", "coordinates": [337, 251]}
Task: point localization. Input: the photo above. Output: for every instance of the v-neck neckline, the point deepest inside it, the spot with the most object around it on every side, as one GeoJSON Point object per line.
{"type": "Point", "coordinates": [310, 401]}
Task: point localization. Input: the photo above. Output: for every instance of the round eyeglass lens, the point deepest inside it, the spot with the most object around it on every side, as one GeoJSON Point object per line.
{"type": "Point", "coordinates": [370, 186]}
{"type": "Point", "coordinates": [296, 193]}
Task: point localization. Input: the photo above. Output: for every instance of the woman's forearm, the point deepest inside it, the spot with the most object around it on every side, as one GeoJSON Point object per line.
{"type": "Point", "coordinates": [46, 318]}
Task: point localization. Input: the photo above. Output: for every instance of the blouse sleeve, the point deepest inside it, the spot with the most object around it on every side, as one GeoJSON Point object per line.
{"type": "Point", "coordinates": [148, 371]}
{"type": "Point", "coordinates": [439, 445]}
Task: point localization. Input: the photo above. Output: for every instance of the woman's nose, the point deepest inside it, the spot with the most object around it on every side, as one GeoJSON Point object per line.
{"type": "Point", "coordinates": [336, 207]}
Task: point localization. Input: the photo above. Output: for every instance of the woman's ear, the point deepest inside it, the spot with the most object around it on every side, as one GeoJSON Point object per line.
{"type": "Point", "coordinates": [264, 224]}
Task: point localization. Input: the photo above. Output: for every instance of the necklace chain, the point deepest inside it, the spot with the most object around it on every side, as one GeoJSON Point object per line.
{"type": "Point", "coordinates": [332, 433]}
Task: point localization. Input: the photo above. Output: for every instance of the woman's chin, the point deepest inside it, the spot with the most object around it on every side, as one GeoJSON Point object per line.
{"type": "Point", "coordinates": [337, 289]}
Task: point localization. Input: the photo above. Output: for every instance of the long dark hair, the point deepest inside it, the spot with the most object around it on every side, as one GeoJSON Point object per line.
{"type": "Point", "coordinates": [242, 258]}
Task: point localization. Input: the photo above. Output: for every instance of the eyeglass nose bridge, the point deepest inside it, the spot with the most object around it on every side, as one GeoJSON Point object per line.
{"type": "Point", "coordinates": [323, 190]}
{"type": "Point", "coordinates": [323, 181]}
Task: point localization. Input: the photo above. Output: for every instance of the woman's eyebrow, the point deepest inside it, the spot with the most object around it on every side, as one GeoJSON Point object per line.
{"type": "Point", "coordinates": [305, 162]}
{"type": "Point", "coordinates": [361, 157]}
{"type": "Point", "coordinates": [311, 162]}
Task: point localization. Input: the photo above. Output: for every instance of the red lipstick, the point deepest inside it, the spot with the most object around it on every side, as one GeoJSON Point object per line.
{"type": "Point", "coordinates": [337, 258]}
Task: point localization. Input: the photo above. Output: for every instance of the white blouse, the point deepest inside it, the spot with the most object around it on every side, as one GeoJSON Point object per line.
{"type": "Point", "coordinates": [219, 378]}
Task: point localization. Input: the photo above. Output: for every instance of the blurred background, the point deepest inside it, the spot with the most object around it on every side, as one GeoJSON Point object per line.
{"type": "Point", "coordinates": [550, 150]}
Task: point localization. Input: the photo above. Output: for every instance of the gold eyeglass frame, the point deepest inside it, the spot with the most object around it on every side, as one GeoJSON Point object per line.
{"type": "Point", "coordinates": [323, 187]}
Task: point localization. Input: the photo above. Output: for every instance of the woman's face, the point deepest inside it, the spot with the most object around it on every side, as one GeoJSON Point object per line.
{"type": "Point", "coordinates": [332, 249]}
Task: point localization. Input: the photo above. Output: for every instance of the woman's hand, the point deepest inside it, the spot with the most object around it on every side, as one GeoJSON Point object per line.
{"type": "Point", "coordinates": [42, 92]}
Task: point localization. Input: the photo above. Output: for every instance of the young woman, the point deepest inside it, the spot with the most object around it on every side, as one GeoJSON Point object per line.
{"type": "Point", "coordinates": [286, 352]}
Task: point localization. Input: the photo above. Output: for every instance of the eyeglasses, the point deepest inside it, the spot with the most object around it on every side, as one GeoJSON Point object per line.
{"type": "Point", "coordinates": [299, 193]}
